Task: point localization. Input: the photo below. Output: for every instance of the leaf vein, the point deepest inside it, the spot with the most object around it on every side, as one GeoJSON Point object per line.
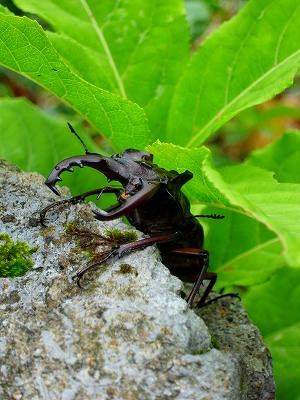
{"type": "Point", "coordinates": [252, 250]}
{"type": "Point", "coordinates": [105, 47]}
{"type": "Point", "coordinates": [282, 35]}
{"type": "Point", "coordinates": [230, 70]}
{"type": "Point", "coordinates": [246, 90]}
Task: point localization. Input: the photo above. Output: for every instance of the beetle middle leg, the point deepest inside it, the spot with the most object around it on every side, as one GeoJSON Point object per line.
{"type": "Point", "coordinates": [126, 249]}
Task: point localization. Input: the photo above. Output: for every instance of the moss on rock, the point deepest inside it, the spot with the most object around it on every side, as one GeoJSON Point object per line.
{"type": "Point", "coordinates": [117, 237]}
{"type": "Point", "coordinates": [15, 257]}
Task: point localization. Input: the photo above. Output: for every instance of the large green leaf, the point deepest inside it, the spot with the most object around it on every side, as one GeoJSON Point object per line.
{"type": "Point", "coordinates": [5, 10]}
{"type": "Point", "coordinates": [274, 298]}
{"type": "Point", "coordinates": [274, 204]}
{"type": "Point", "coordinates": [245, 62]}
{"type": "Point", "coordinates": [25, 48]}
{"type": "Point", "coordinates": [242, 251]}
{"type": "Point", "coordinates": [281, 157]}
{"type": "Point", "coordinates": [274, 307]}
{"type": "Point", "coordinates": [245, 190]}
{"type": "Point", "coordinates": [50, 143]}
{"type": "Point", "coordinates": [137, 49]}
{"type": "Point", "coordinates": [285, 349]}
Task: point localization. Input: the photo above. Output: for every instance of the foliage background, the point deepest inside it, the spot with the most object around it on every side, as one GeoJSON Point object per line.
{"type": "Point", "coordinates": [149, 73]}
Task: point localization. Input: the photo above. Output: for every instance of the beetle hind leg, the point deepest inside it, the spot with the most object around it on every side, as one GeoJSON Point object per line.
{"type": "Point", "coordinates": [202, 257]}
{"type": "Point", "coordinates": [212, 276]}
{"type": "Point", "coordinates": [180, 262]}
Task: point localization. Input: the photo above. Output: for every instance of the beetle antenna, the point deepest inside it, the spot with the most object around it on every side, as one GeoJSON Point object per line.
{"type": "Point", "coordinates": [79, 138]}
{"type": "Point", "coordinates": [213, 216]}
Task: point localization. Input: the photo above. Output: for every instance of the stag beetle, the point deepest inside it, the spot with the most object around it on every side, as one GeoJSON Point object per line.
{"type": "Point", "coordinates": [152, 201]}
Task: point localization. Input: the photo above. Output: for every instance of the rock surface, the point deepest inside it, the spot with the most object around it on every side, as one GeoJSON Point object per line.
{"type": "Point", "coordinates": [127, 335]}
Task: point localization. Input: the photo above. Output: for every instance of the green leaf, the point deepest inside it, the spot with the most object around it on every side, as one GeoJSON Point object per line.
{"type": "Point", "coordinates": [285, 348]}
{"type": "Point", "coordinates": [86, 63]}
{"type": "Point", "coordinates": [281, 157]}
{"type": "Point", "coordinates": [137, 49]}
{"type": "Point", "coordinates": [245, 62]}
{"type": "Point", "coordinates": [274, 307]}
{"type": "Point", "coordinates": [274, 204]}
{"type": "Point", "coordinates": [25, 48]}
{"type": "Point", "coordinates": [36, 141]}
{"type": "Point", "coordinates": [5, 10]}
{"type": "Point", "coordinates": [242, 251]}
{"type": "Point", "coordinates": [248, 191]}
{"type": "Point", "coordinates": [274, 298]}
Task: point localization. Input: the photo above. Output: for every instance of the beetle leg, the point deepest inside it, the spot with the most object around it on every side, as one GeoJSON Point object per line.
{"type": "Point", "coordinates": [146, 192]}
{"type": "Point", "coordinates": [202, 255]}
{"type": "Point", "coordinates": [126, 249]}
{"type": "Point", "coordinates": [213, 216]}
{"type": "Point", "coordinates": [212, 276]}
{"type": "Point", "coordinates": [78, 198]}
{"type": "Point", "coordinates": [203, 275]}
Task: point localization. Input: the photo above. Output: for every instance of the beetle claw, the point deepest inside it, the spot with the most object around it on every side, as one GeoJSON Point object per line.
{"type": "Point", "coordinates": [53, 188]}
{"type": "Point", "coordinates": [77, 278]}
{"type": "Point", "coordinates": [99, 215]}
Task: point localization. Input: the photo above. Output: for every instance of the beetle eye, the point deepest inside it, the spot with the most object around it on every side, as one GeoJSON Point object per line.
{"type": "Point", "coordinates": [147, 157]}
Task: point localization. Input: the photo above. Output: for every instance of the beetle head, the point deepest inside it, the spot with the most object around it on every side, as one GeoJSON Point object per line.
{"type": "Point", "coordinates": [124, 168]}
{"type": "Point", "coordinates": [135, 155]}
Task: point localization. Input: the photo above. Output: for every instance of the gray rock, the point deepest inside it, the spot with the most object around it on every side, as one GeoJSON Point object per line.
{"type": "Point", "coordinates": [125, 335]}
{"type": "Point", "coordinates": [233, 333]}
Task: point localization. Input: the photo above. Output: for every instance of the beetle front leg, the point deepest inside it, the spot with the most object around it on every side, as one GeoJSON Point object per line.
{"type": "Point", "coordinates": [79, 198]}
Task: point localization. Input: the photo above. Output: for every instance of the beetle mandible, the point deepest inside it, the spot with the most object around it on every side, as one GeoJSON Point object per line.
{"type": "Point", "coordinates": [152, 201]}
